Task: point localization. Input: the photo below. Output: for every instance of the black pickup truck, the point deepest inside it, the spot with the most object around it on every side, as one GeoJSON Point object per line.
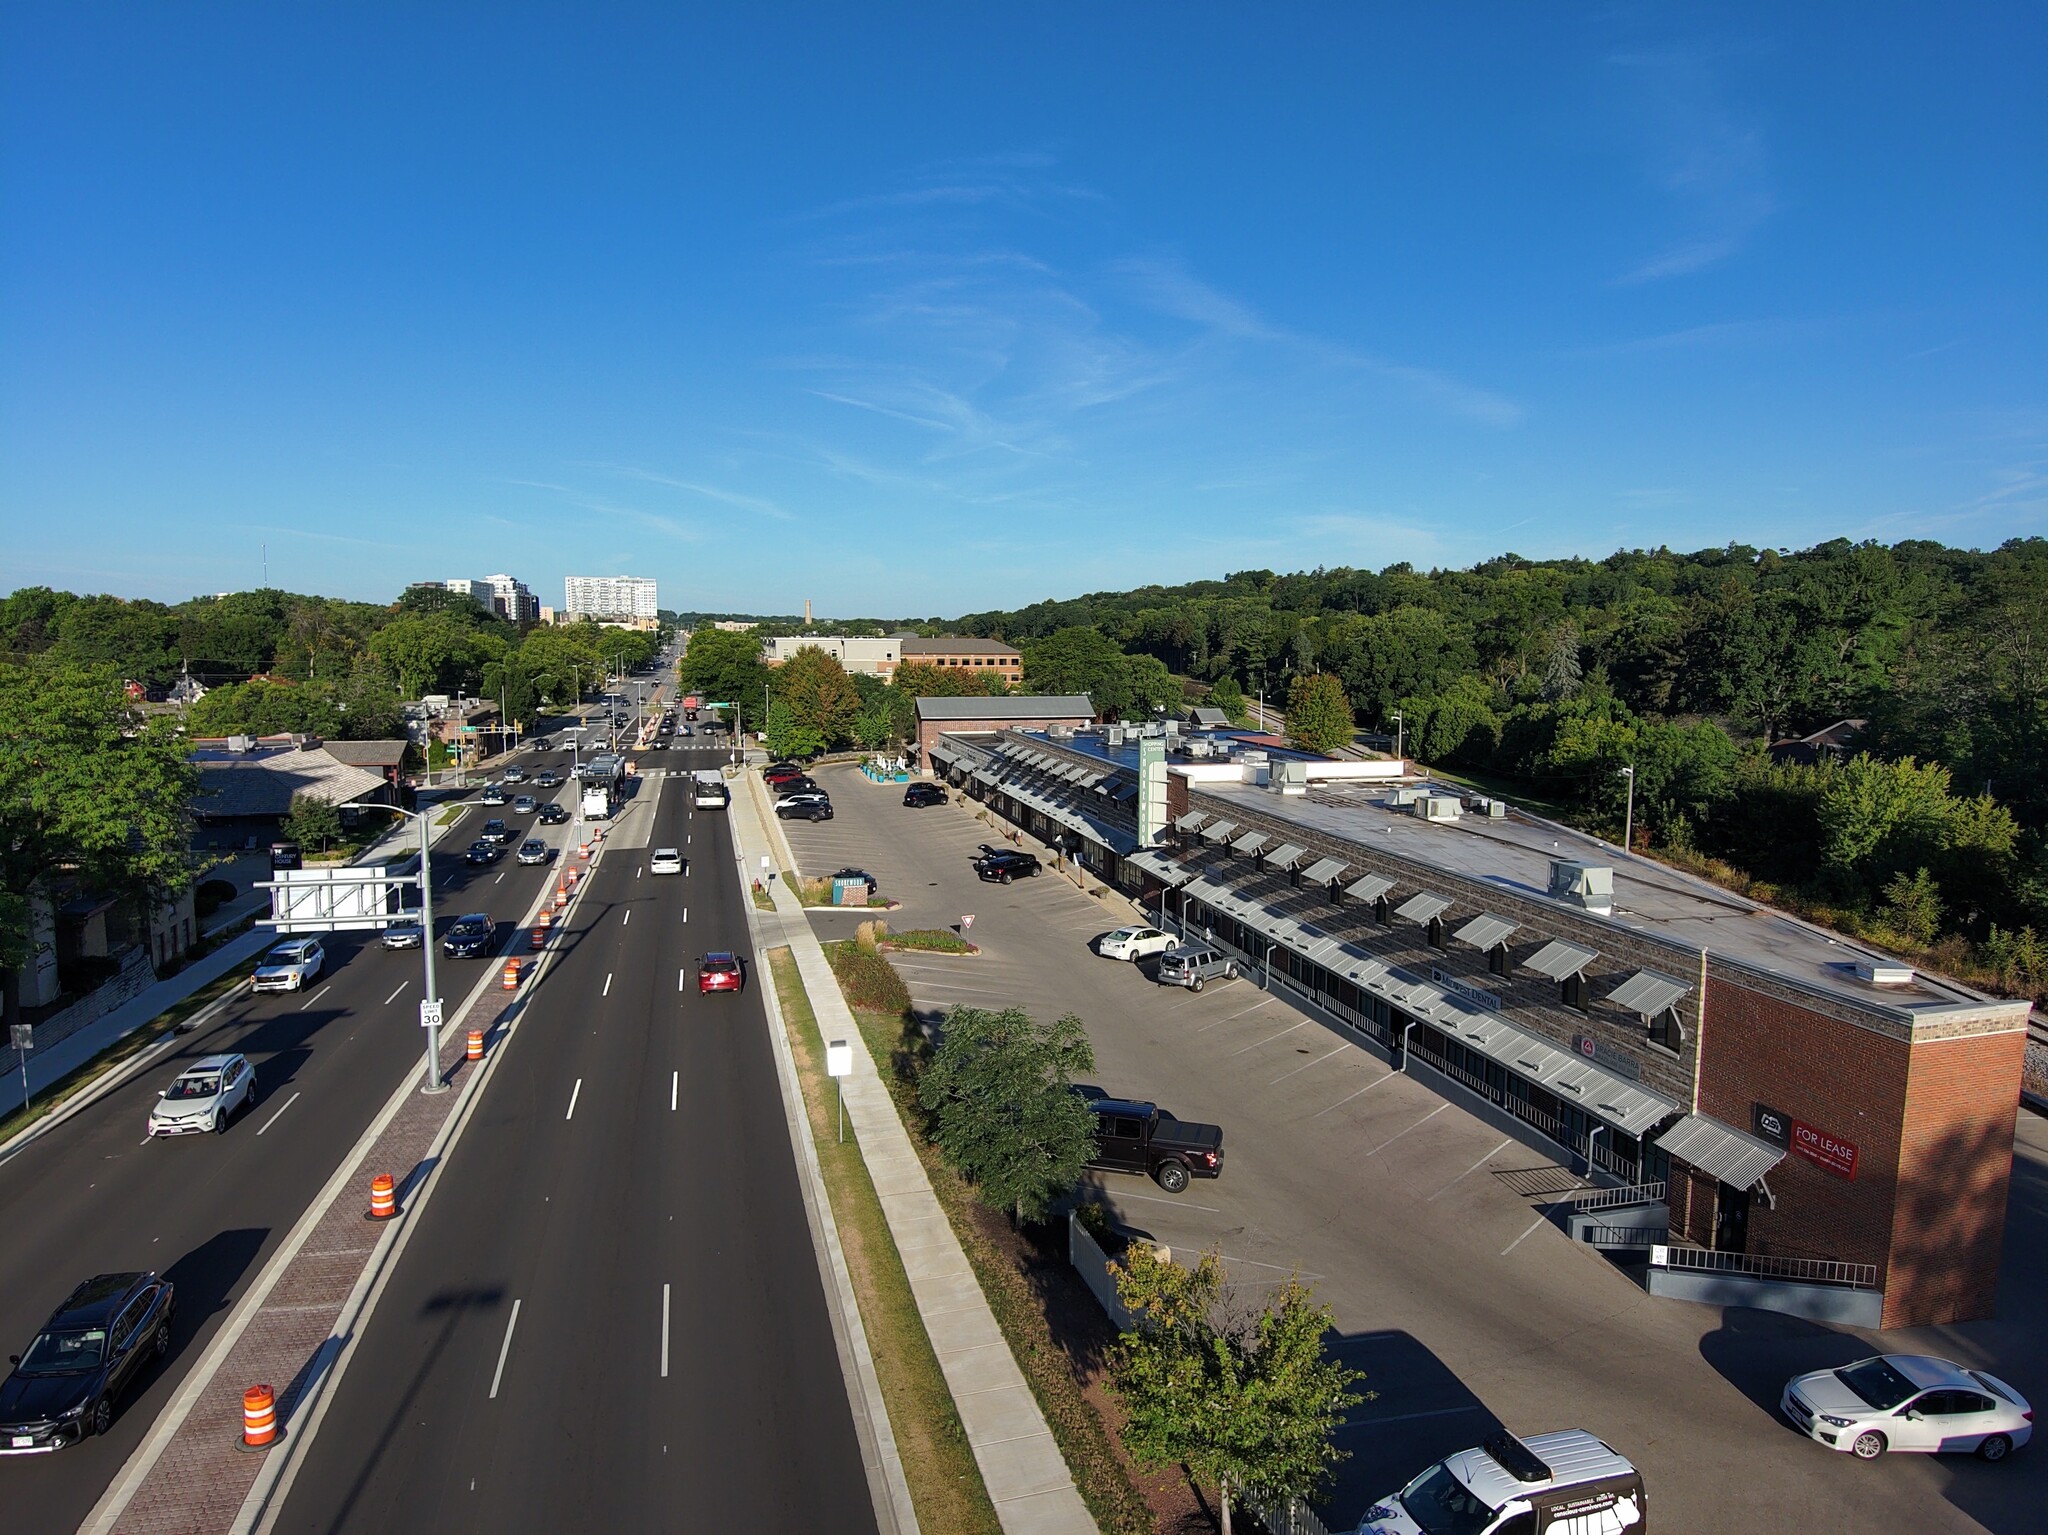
{"type": "Point", "coordinates": [1143, 1138]}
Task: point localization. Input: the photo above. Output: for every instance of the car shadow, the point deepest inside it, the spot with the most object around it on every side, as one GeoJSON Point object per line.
{"type": "Point", "coordinates": [1416, 1411]}
{"type": "Point", "coordinates": [206, 1276]}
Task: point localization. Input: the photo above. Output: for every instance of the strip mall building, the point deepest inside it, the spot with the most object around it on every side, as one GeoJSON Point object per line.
{"type": "Point", "coordinates": [1811, 1106]}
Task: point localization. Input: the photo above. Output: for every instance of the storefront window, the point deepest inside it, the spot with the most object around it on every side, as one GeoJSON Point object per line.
{"type": "Point", "coordinates": [1667, 1032]}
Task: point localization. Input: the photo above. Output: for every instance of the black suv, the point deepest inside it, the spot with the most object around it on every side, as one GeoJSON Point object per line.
{"type": "Point", "coordinates": [552, 813]}
{"type": "Point", "coordinates": [91, 1351]}
{"type": "Point", "coordinates": [470, 937]}
{"type": "Point", "coordinates": [495, 831]}
{"type": "Point", "coordinates": [1005, 866]}
{"type": "Point", "coordinates": [918, 795]}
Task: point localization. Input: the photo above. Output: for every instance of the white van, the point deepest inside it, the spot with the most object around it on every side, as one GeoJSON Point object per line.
{"type": "Point", "coordinates": [1568, 1483]}
{"type": "Point", "coordinates": [710, 789]}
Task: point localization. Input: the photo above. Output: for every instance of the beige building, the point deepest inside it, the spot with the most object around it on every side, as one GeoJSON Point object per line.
{"type": "Point", "coordinates": [881, 657]}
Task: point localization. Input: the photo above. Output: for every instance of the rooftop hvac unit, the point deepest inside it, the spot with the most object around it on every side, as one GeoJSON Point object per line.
{"type": "Point", "coordinates": [1497, 809]}
{"type": "Point", "coordinates": [1292, 778]}
{"type": "Point", "coordinates": [1884, 972]}
{"type": "Point", "coordinates": [1116, 735]}
{"type": "Point", "coordinates": [1439, 807]}
{"type": "Point", "coordinates": [1587, 885]}
{"type": "Point", "coordinates": [1404, 798]}
{"type": "Point", "coordinates": [1060, 732]}
{"type": "Point", "coordinates": [241, 743]}
{"type": "Point", "coordinates": [1197, 747]}
{"type": "Point", "coordinates": [1252, 754]}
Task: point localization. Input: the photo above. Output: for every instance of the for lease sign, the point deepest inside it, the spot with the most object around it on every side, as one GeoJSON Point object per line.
{"type": "Point", "coordinates": [1829, 1152]}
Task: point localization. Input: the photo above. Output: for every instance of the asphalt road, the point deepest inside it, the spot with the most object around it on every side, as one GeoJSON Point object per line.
{"type": "Point", "coordinates": [93, 1196]}
{"type": "Point", "coordinates": [610, 1315]}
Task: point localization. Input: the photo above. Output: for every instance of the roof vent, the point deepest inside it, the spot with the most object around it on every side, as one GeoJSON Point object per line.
{"type": "Point", "coordinates": [241, 743]}
{"type": "Point", "coordinates": [1884, 972]}
{"type": "Point", "coordinates": [1589, 885]}
{"type": "Point", "coordinates": [1115, 735]}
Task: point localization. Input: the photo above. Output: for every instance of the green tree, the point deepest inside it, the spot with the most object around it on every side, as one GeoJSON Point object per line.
{"type": "Point", "coordinates": [819, 695]}
{"type": "Point", "coordinates": [719, 664]}
{"type": "Point", "coordinates": [789, 736]}
{"type": "Point", "coordinates": [874, 726]}
{"type": "Point", "coordinates": [1000, 1092]}
{"type": "Point", "coordinates": [312, 820]}
{"type": "Point", "coordinates": [1912, 905]}
{"type": "Point", "coordinates": [1246, 1402]}
{"type": "Point", "coordinates": [1079, 660]}
{"type": "Point", "coordinates": [1225, 694]}
{"type": "Point", "coordinates": [423, 652]}
{"type": "Point", "coordinates": [1318, 713]}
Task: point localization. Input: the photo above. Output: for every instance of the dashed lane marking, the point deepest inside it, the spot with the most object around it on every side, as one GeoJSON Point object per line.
{"type": "Point", "coordinates": [574, 1093]}
{"type": "Point", "coordinates": [315, 997]}
{"type": "Point", "coordinates": [394, 996]}
{"type": "Point", "coordinates": [280, 1112]}
{"type": "Point", "coordinates": [504, 1349]}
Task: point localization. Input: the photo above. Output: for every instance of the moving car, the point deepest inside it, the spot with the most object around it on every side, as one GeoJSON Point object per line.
{"type": "Point", "coordinates": [204, 1096]}
{"type": "Point", "coordinates": [1002, 867]}
{"type": "Point", "coordinates": [291, 966]}
{"type": "Point", "coordinates": [1509, 1486]}
{"type": "Point", "coordinates": [1194, 966]}
{"type": "Point", "coordinates": [547, 778]}
{"type": "Point", "coordinates": [919, 795]}
{"type": "Point", "coordinates": [66, 1383]}
{"type": "Point", "coordinates": [819, 809]}
{"type": "Point", "coordinates": [665, 860]}
{"type": "Point", "coordinates": [782, 768]}
{"type": "Point", "coordinates": [470, 937]}
{"type": "Point", "coordinates": [492, 795]}
{"type": "Point", "coordinates": [541, 744]}
{"type": "Point", "coordinates": [515, 775]}
{"type": "Point", "coordinates": [404, 935]}
{"type": "Point", "coordinates": [1133, 1137]}
{"type": "Point", "coordinates": [720, 971]}
{"type": "Point", "coordinates": [1909, 1402]}
{"type": "Point", "coordinates": [483, 851]}
{"type": "Point", "coordinates": [1134, 943]}
{"type": "Point", "coordinates": [552, 814]}
{"type": "Point", "coordinates": [495, 830]}
{"type": "Point", "coordinates": [526, 804]}
{"type": "Point", "coordinates": [533, 851]}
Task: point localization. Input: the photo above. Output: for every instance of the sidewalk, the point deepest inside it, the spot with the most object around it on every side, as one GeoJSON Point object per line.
{"type": "Point", "coordinates": [1021, 1465]}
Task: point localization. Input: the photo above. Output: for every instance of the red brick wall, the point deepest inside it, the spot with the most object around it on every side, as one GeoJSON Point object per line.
{"type": "Point", "coordinates": [1176, 797]}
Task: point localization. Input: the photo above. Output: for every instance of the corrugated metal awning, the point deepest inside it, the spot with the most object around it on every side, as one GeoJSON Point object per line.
{"type": "Point", "coordinates": [1369, 887]}
{"type": "Point", "coordinates": [1218, 831]}
{"type": "Point", "coordinates": [1323, 870]}
{"type": "Point", "coordinates": [1485, 931]}
{"type": "Point", "coordinates": [1422, 907]}
{"type": "Point", "coordinates": [1250, 842]}
{"type": "Point", "coordinates": [1192, 820]}
{"type": "Point", "coordinates": [1160, 867]}
{"type": "Point", "coordinates": [984, 775]}
{"type": "Point", "coordinates": [1558, 959]}
{"type": "Point", "coordinates": [1628, 1106]}
{"type": "Point", "coordinates": [1719, 1150]}
{"type": "Point", "coordinates": [1648, 993]}
{"type": "Point", "coordinates": [1285, 856]}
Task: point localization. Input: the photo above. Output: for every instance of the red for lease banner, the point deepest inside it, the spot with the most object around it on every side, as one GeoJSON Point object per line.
{"type": "Point", "coordinates": [1825, 1151]}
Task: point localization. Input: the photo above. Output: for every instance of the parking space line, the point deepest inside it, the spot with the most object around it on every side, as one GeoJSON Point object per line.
{"type": "Point", "coordinates": [280, 1110]}
{"type": "Point", "coordinates": [393, 997]}
{"type": "Point", "coordinates": [1178, 1204]}
{"type": "Point", "coordinates": [315, 997]}
{"type": "Point", "coordinates": [504, 1348]}
{"type": "Point", "coordinates": [574, 1093]}
{"type": "Point", "coordinates": [1271, 1037]}
{"type": "Point", "coordinates": [1205, 1028]}
{"type": "Point", "coordinates": [628, 917]}
{"type": "Point", "coordinates": [1518, 1241]}
{"type": "Point", "coordinates": [1383, 1145]}
{"type": "Point", "coordinates": [1346, 1045]}
{"type": "Point", "coordinates": [1505, 1142]}
{"type": "Point", "coordinates": [1375, 1082]}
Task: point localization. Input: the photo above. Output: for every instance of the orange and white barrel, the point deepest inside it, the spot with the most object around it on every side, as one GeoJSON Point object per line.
{"type": "Point", "coordinates": [511, 980]}
{"type": "Point", "coordinates": [259, 1417]}
{"type": "Point", "coordinates": [383, 1197]}
{"type": "Point", "coordinates": [475, 1048]}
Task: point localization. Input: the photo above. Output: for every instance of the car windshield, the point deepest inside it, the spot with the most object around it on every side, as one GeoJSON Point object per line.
{"type": "Point", "coordinates": [467, 929]}
{"type": "Point", "coordinates": [1442, 1505]}
{"type": "Point", "coordinates": [64, 1353]}
{"type": "Point", "coordinates": [1877, 1383]}
{"type": "Point", "coordinates": [286, 954]}
{"type": "Point", "coordinates": [194, 1087]}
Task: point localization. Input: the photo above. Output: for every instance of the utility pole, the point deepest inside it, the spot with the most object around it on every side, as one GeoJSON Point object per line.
{"type": "Point", "coordinates": [1400, 738]}
{"type": "Point", "coordinates": [1628, 823]}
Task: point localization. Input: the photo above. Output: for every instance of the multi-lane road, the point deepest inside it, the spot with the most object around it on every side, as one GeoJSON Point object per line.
{"type": "Point", "coordinates": [672, 1345]}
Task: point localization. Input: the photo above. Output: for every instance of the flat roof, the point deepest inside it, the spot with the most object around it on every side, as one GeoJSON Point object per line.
{"type": "Point", "coordinates": [1095, 743]}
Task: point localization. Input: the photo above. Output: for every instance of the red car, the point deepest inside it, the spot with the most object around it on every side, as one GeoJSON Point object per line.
{"type": "Point", "coordinates": [720, 972]}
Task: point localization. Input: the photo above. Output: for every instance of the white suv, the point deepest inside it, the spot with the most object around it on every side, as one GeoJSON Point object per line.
{"type": "Point", "coordinates": [205, 1096]}
{"type": "Point", "coordinates": [291, 966]}
{"type": "Point", "coordinates": [665, 860]}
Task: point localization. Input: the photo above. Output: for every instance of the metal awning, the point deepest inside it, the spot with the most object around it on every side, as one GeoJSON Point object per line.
{"type": "Point", "coordinates": [1073, 772]}
{"type": "Point", "coordinates": [1250, 842]}
{"type": "Point", "coordinates": [1648, 993]}
{"type": "Point", "coordinates": [1422, 907]}
{"type": "Point", "coordinates": [1160, 867]}
{"type": "Point", "coordinates": [1370, 887]}
{"type": "Point", "coordinates": [1218, 831]}
{"type": "Point", "coordinates": [1485, 931]}
{"type": "Point", "coordinates": [983, 775]}
{"type": "Point", "coordinates": [1285, 856]}
{"type": "Point", "coordinates": [1629, 1106]}
{"type": "Point", "coordinates": [1323, 870]}
{"type": "Point", "coordinates": [1124, 791]}
{"type": "Point", "coordinates": [1558, 959]}
{"type": "Point", "coordinates": [1192, 820]}
{"type": "Point", "coordinates": [1720, 1151]}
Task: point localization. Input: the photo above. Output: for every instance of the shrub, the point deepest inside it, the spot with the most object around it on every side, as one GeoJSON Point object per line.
{"type": "Point", "coordinates": [870, 982]}
{"type": "Point", "coordinates": [930, 939]}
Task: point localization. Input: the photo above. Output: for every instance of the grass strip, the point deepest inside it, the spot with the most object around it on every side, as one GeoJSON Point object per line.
{"type": "Point", "coordinates": [938, 1463]}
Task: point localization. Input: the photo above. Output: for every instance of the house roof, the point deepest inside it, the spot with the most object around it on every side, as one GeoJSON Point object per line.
{"type": "Point", "coordinates": [1052, 706]}
{"type": "Point", "coordinates": [378, 754]}
{"type": "Point", "coordinates": [262, 783]}
{"type": "Point", "coordinates": [951, 645]}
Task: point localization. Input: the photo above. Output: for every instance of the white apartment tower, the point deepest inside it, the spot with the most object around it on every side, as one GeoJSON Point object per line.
{"type": "Point", "coordinates": [610, 597]}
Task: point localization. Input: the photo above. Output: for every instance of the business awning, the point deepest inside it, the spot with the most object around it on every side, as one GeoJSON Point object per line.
{"type": "Point", "coordinates": [1285, 856]}
{"type": "Point", "coordinates": [1423, 907]}
{"type": "Point", "coordinates": [1250, 842]}
{"type": "Point", "coordinates": [1218, 831]}
{"type": "Point", "coordinates": [1323, 870]}
{"type": "Point", "coordinates": [1558, 959]}
{"type": "Point", "coordinates": [1648, 993]}
{"type": "Point", "coordinates": [1720, 1151]}
{"type": "Point", "coordinates": [983, 775]}
{"type": "Point", "coordinates": [1123, 791]}
{"type": "Point", "coordinates": [1191, 821]}
{"type": "Point", "coordinates": [1073, 772]}
{"type": "Point", "coordinates": [1628, 1106]}
{"type": "Point", "coordinates": [1160, 867]}
{"type": "Point", "coordinates": [1485, 931]}
{"type": "Point", "coordinates": [1370, 887]}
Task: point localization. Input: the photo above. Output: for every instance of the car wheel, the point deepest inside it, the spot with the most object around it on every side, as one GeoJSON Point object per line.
{"type": "Point", "coordinates": [220, 1122]}
{"type": "Point", "coordinates": [1172, 1177]}
{"type": "Point", "coordinates": [1006, 876]}
{"type": "Point", "coordinates": [1868, 1445]}
{"type": "Point", "coordinates": [1997, 1447]}
{"type": "Point", "coordinates": [161, 1343]}
{"type": "Point", "coordinates": [103, 1415]}
{"type": "Point", "coordinates": [1230, 972]}
{"type": "Point", "coordinates": [1197, 984]}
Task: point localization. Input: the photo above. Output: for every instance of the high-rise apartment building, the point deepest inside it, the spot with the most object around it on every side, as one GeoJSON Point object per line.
{"type": "Point", "coordinates": [511, 599]}
{"type": "Point", "coordinates": [603, 597]}
{"type": "Point", "coordinates": [476, 591]}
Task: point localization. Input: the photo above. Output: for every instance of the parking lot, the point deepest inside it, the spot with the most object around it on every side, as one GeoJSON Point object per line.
{"type": "Point", "coordinates": [1423, 1228]}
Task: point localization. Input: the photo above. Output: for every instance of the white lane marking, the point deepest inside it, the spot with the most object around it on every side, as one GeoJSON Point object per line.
{"type": "Point", "coordinates": [1375, 1082]}
{"type": "Point", "coordinates": [686, 838]}
{"type": "Point", "coordinates": [675, 1085]}
{"type": "Point", "coordinates": [1305, 1066]}
{"type": "Point", "coordinates": [393, 997]}
{"type": "Point", "coordinates": [681, 977]}
{"type": "Point", "coordinates": [628, 917]}
{"type": "Point", "coordinates": [274, 1118]}
{"type": "Point", "coordinates": [1505, 1142]}
{"type": "Point", "coordinates": [686, 913]}
{"type": "Point", "coordinates": [503, 1349]}
{"type": "Point", "coordinates": [607, 984]}
{"type": "Point", "coordinates": [1383, 1145]}
{"type": "Point", "coordinates": [664, 1332]}
{"type": "Point", "coordinates": [574, 1093]}
{"type": "Point", "coordinates": [638, 872]}
{"type": "Point", "coordinates": [1524, 1236]}
{"type": "Point", "coordinates": [1271, 1037]}
{"type": "Point", "coordinates": [499, 880]}
{"type": "Point", "coordinates": [315, 997]}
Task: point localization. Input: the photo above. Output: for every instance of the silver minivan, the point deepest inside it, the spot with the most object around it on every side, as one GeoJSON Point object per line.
{"type": "Point", "coordinates": [1194, 965]}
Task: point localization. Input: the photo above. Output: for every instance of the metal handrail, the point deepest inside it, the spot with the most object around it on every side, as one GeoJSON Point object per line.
{"type": "Point", "coordinates": [1629, 1194]}
{"type": "Point", "coordinates": [1621, 1236]}
{"type": "Point", "coordinates": [1853, 1276]}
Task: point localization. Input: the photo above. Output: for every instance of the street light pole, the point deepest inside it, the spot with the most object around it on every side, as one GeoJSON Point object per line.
{"type": "Point", "coordinates": [1628, 823]}
{"type": "Point", "coordinates": [430, 1004]}
{"type": "Point", "coordinates": [1400, 737]}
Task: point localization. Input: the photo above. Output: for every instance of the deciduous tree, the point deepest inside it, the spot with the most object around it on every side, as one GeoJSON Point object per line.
{"type": "Point", "coordinates": [1318, 713]}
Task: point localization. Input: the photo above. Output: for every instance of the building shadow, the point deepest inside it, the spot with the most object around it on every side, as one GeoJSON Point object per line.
{"type": "Point", "coordinates": [1416, 1412]}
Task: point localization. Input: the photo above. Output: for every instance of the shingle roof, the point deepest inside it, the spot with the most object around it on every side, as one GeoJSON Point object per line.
{"type": "Point", "coordinates": [1055, 706]}
{"type": "Point", "coordinates": [263, 783]}
{"type": "Point", "coordinates": [386, 754]}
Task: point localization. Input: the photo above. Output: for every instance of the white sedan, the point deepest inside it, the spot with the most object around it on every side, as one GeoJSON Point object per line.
{"type": "Point", "coordinates": [1909, 1402]}
{"type": "Point", "coordinates": [1134, 943]}
{"type": "Point", "coordinates": [665, 860]}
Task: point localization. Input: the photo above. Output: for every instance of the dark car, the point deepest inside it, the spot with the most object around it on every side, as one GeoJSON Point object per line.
{"type": "Point", "coordinates": [541, 744]}
{"type": "Point", "coordinates": [552, 814]}
{"type": "Point", "coordinates": [805, 810]}
{"type": "Point", "coordinates": [492, 795]}
{"type": "Point", "coordinates": [495, 830]}
{"type": "Point", "coordinates": [918, 795]}
{"type": "Point", "coordinates": [720, 972]}
{"type": "Point", "coordinates": [483, 851]}
{"type": "Point", "coordinates": [547, 778]}
{"type": "Point", "coordinates": [803, 783]}
{"type": "Point", "coordinates": [66, 1384]}
{"type": "Point", "coordinates": [783, 766]}
{"type": "Point", "coordinates": [1006, 866]}
{"type": "Point", "coordinates": [1132, 1137]}
{"type": "Point", "coordinates": [470, 937]}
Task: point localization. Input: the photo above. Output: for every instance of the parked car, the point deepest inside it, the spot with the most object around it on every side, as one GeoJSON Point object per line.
{"type": "Point", "coordinates": [515, 775]}
{"type": "Point", "coordinates": [1002, 867]}
{"type": "Point", "coordinates": [552, 814]}
{"type": "Point", "coordinates": [665, 860]}
{"type": "Point", "coordinates": [526, 804]}
{"type": "Point", "coordinates": [483, 851]}
{"type": "Point", "coordinates": [495, 830]}
{"type": "Point", "coordinates": [808, 797]}
{"type": "Point", "coordinates": [73, 1373]}
{"type": "Point", "coordinates": [1194, 966]}
{"type": "Point", "coordinates": [1134, 943]}
{"type": "Point", "coordinates": [291, 966]}
{"type": "Point", "coordinates": [810, 810]}
{"type": "Point", "coordinates": [720, 971]}
{"type": "Point", "coordinates": [1909, 1402]}
{"type": "Point", "coordinates": [1567, 1481]}
{"type": "Point", "coordinates": [204, 1096]}
{"type": "Point", "coordinates": [403, 935]}
{"type": "Point", "coordinates": [918, 795]}
{"type": "Point", "coordinates": [784, 767]}
{"type": "Point", "coordinates": [492, 795]}
{"type": "Point", "coordinates": [533, 851]}
{"type": "Point", "coordinates": [470, 937]}
{"type": "Point", "coordinates": [1134, 1137]}
{"type": "Point", "coordinates": [803, 783]}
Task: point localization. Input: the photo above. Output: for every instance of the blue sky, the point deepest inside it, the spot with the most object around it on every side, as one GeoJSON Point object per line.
{"type": "Point", "coordinates": [919, 309]}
